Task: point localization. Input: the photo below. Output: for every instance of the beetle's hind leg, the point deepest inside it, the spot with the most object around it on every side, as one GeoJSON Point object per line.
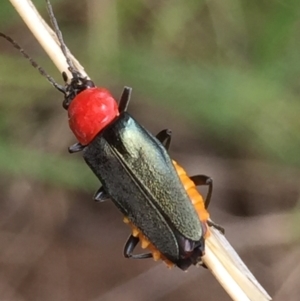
{"type": "Point", "coordinates": [130, 246]}
{"type": "Point", "coordinates": [203, 180]}
{"type": "Point", "coordinates": [164, 138]}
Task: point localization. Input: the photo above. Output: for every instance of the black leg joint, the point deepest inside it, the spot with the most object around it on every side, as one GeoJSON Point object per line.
{"type": "Point", "coordinates": [203, 180]}
{"type": "Point", "coordinates": [164, 138]}
{"type": "Point", "coordinates": [77, 147]}
{"type": "Point", "coordinates": [125, 99]}
{"type": "Point", "coordinates": [130, 246]}
{"type": "Point", "coordinates": [101, 196]}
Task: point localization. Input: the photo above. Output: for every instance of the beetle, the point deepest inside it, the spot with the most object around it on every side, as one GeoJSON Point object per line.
{"type": "Point", "coordinates": [136, 173]}
{"type": "Point", "coordinates": [155, 195]}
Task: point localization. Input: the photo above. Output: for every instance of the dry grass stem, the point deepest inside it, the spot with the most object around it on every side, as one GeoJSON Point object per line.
{"type": "Point", "coordinates": [45, 35]}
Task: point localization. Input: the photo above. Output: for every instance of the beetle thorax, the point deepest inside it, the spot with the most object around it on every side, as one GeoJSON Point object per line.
{"type": "Point", "coordinates": [90, 112]}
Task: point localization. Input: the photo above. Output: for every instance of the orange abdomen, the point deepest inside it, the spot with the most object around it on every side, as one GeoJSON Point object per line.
{"type": "Point", "coordinates": [194, 195]}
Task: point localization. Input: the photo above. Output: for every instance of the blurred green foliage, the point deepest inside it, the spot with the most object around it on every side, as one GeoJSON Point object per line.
{"type": "Point", "coordinates": [230, 67]}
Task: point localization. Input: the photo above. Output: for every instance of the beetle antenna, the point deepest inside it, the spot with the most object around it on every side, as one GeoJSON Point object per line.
{"type": "Point", "coordinates": [59, 35]}
{"type": "Point", "coordinates": [34, 63]}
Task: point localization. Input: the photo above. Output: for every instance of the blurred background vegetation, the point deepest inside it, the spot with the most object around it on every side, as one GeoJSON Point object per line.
{"type": "Point", "coordinates": [223, 75]}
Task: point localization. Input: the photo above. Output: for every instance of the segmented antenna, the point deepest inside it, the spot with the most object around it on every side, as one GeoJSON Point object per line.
{"type": "Point", "coordinates": [34, 63]}
{"type": "Point", "coordinates": [59, 35]}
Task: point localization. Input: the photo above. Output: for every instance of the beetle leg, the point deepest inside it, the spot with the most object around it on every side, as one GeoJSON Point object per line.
{"type": "Point", "coordinates": [216, 226]}
{"type": "Point", "coordinates": [164, 137]}
{"type": "Point", "coordinates": [101, 196]}
{"type": "Point", "coordinates": [124, 100]}
{"type": "Point", "coordinates": [130, 246]}
{"type": "Point", "coordinates": [201, 180]}
{"type": "Point", "coordinates": [77, 147]}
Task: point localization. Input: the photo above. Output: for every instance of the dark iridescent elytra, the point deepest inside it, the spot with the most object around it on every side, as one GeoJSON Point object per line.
{"type": "Point", "coordinates": [138, 174]}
